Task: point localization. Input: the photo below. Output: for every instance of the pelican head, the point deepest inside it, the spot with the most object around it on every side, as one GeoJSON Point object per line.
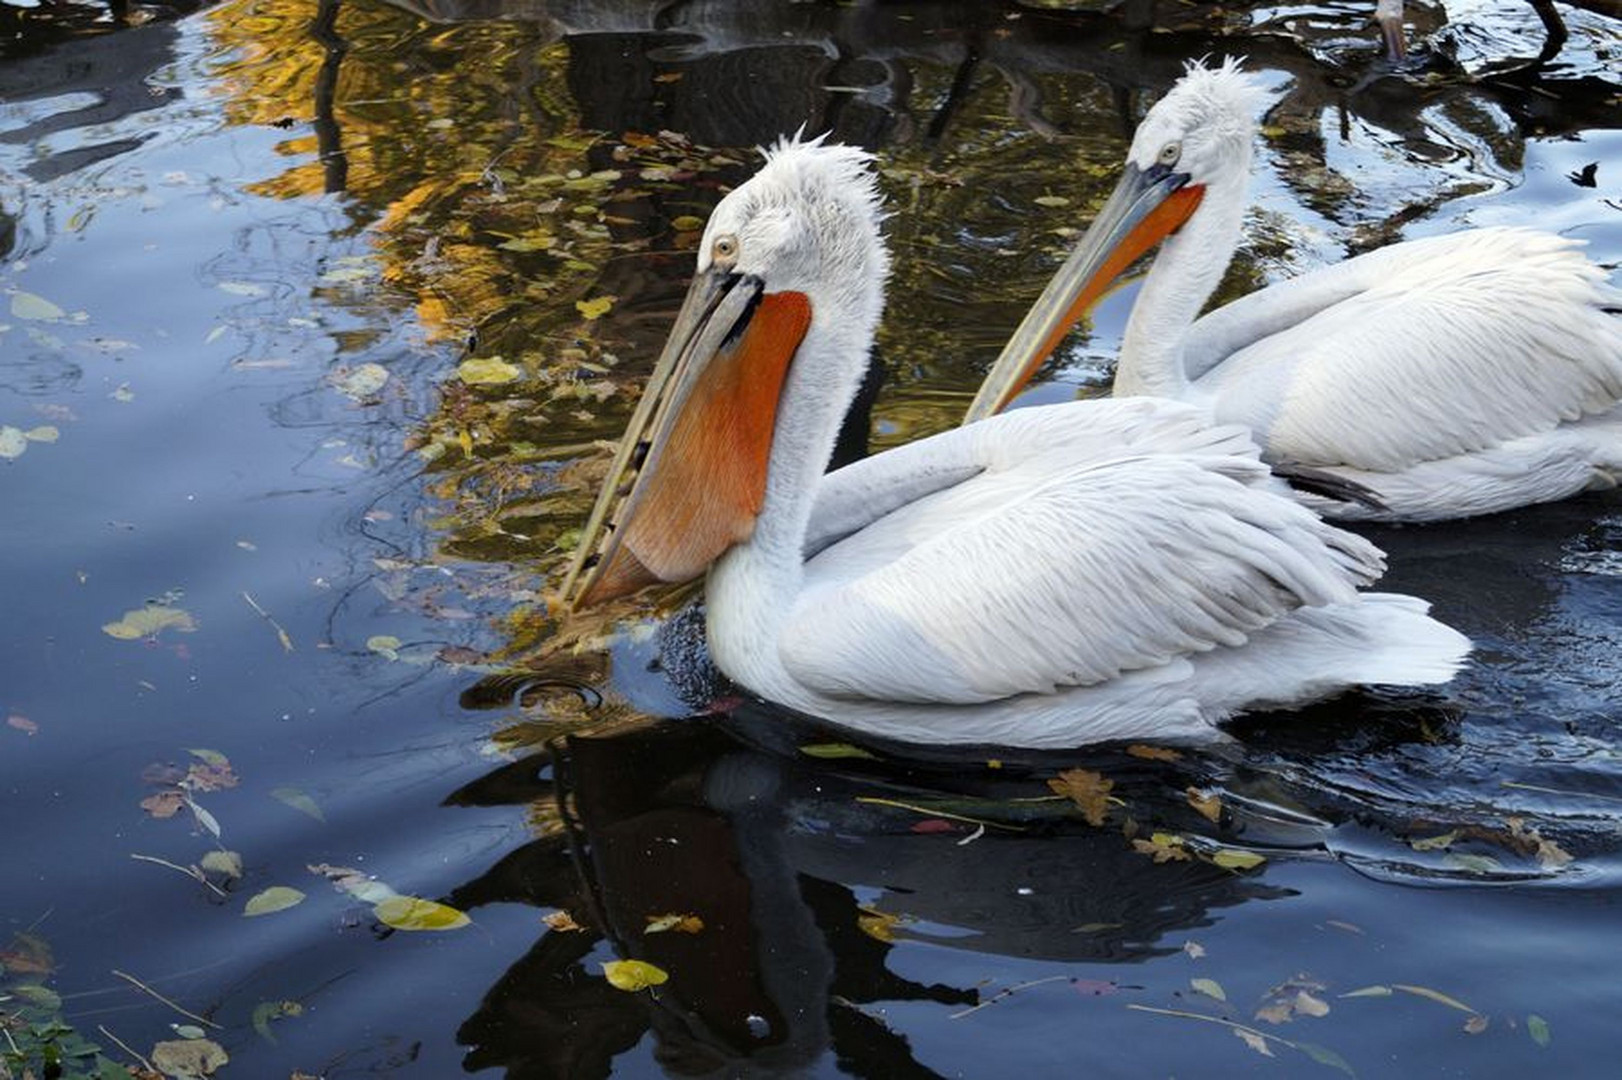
{"type": "Point", "coordinates": [1197, 136]}
{"type": "Point", "coordinates": [788, 291]}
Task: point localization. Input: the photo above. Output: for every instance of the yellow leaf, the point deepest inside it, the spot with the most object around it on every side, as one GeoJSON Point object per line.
{"type": "Point", "coordinates": [1434, 995]}
{"type": "Point", "coordinates": [1088, 790]}
{"type": "Point", "coordinates": [1154, 753]}
{"type": "Point", "coordinates": [833, 750]}
{"type": "Point", "coordinates": [415, 913]}
{"type": "Point", "coordinates": [386, 645]}
{"type": "Point", "coordinates": [1164, 847]}
{"type": "Point", "coordinates": [13, 443]}
{"type": "Point", "coordinates": [486, 371]}
{"type": "Point", "coordinates": [149, 621]}
{"type": "Point", "coordinates": [1434, 843]}
{"type": "Point", "coordinates": [1210, 988]}
{"type": "Point", "coordinates": [275, 898]}
{"type": "Point", "coordinates": [1232, 859]}
{"type": "Point", "coordinates": [687, 223]}
{"type": "Point", "coordinates": [45, 433]}
{"type": "Point", "coordinates": [878, 925]}
{"type": "Point", "coordinates": [633, 975]}
{"type": "Point", "coordinates": [1209, 805]}
{"type": "Point", "coordinates": [682, 924]}
{"type": "Point", "coordinates": [1052, 202]}
{"type": "Point", "coordinates": [595, 308]}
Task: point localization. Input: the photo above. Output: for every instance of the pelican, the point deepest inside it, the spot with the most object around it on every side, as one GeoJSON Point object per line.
{"type": "Point", "coordinates": [1047, 578]}
{"type": "Point", "coordinates": [1450, 376]}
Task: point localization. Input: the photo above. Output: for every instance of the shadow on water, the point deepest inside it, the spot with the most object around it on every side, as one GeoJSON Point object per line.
{"type": "Point", "coordinates": [254, 243]}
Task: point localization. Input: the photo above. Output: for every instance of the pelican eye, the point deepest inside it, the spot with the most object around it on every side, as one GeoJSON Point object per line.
{"type": "Point", "coordinates": [725, 251]}
{"type": "Point", "coordinates": [1170, 153]}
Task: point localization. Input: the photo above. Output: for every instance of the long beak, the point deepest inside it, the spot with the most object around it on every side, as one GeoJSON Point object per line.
{"type": "Point", "coordinates": [1146, 207]}
{"type": "Point", "coordinates": [697, 445]}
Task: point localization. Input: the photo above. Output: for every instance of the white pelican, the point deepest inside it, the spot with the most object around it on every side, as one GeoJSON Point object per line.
{"type": "Point", "coordinates": [1451, 376]}
{"type": "Point", "coordinates": [1048, 578]}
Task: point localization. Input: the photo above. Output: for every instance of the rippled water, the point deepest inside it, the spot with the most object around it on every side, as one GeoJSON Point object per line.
{"type": "Point", "coordinates": [260, 262]}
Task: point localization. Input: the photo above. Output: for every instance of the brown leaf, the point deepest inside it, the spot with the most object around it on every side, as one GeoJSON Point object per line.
{"type": "Point", "coordinates": [1206, 803]}
{"type": "Point", "coordinates": [1163, 847]}
{"type": "Point", "coordinates": [1154, 753]}
{"type": "Point", "coordinates": [561, 921]}
{"type": "Point", "coordinates": [1476, 1025]}
{"type": "Point", "coordinates": [681, 924]}
{"type": "Point", "coordinates": [206, 777]}
{"type": "Point", "coordinates": [1279, 1012]}
{"type": "Point", "coordinates": [164, 804]}
{"type": "Point", "coordinates": [27, 954]}
{"type": "Point", "coordinates": [1088, 790]}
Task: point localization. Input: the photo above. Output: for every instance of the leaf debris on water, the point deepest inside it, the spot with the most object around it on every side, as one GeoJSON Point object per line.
{"type": "Point", "coordinates": [1088, 790]}
{"type": "Point", "coordinates": [274, 899]}
{"type": "Point", "coordinates": [633, 975]}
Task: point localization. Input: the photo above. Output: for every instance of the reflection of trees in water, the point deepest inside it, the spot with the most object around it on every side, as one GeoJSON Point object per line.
{"type": "Point", "coordinates": [770, 854]}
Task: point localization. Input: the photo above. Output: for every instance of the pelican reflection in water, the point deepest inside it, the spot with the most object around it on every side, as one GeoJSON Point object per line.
{"type": "Point", "coordinates": [1450, 376]}
{"type": "Point", "coordinates": [1051, 577]}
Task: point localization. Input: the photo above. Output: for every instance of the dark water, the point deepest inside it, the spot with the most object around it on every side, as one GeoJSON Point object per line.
{"type": "Point", "coordinates": [244, 250]}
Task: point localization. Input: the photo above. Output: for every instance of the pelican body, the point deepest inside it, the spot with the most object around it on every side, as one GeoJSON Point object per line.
{"type": "Point", "coordinates": [1048, 578]}
{"type": "Point", "coordinates": [1450, 376]}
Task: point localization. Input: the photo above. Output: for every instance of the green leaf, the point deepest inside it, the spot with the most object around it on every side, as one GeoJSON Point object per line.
{"type": "Point", "coordinates": [595, 308]}
{"type": "Point", "coordinates": [211, 757]}
{"type": "Point", "coordinates": [149, 621]}
{"type": "Point", "coordinates": [40, 996]}
{"type": "Point", "coordinates": [386, 645]}
{"type": "Point", "coordinates": [276, 898]}
{"type": "Point", "coordinates": [1210, 988]}
{"type": "Point", "coordinates": [25, 305]}
{"type": "Point", "coordinates": [633, 975]}
{"type": "Point", "coordinates": [1369, 991]}
{"type": "Point", "coordinates": [1325, 1056]}
{"type": "Point", "coordinates": [1538, 1028]}
{"type": "Point", "coordinates": [414, 913]}
{"type": "Point", "coordinates": [486, 371]}
{"type": "Point", "coordinates": [831, 751]}
{"type": "Point", "coordinates": [299, 801]}
{"type": "Point", "coordinates": [1433, 995]}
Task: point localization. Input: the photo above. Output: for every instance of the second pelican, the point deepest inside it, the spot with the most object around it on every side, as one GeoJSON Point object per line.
{"type": "Point", "coordinates": [1048, 578]}
{"type": "Point", "coordinates": [1450, 376]}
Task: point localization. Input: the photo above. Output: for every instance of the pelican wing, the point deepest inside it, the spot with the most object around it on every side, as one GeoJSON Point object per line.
{"type": "Point", "coordinates": [1064, 561]}
{"type": "Point", "coordinates": [1421, 351]}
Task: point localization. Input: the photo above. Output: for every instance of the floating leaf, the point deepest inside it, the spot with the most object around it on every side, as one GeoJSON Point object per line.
{"type": "Point", "coordinates": [1052, 202]}
{"type": "Point", "coordinates": [687, 223]}
{"type": "Point", "coordinates": [204, 818]}
{"type": "Point", "coordinates": [165, 804]}
{"type": "Point", "coordinates": [414, 913]}
{"type": "Point", "coordinates": [1307, 1005]}
{"type": "Point", "coordinates": [275, 898]}
{"type": "Point", "coordinates": [681, 924]}
{"type": "Point", "coordinates": [45, 433]}
{"type": "Point", "coordinates": [1433, 995]}
{"type": "Point", "coordinates": [632, 975]}
{"type": "Point", "coordinates": [486, 371]}
{"type": "Point", "coordinates": [386, 645]}
{"type": "Point", "coordinates": [1234, 859]}
{"type": "Point", "coordinates": [35, 994]}
{"type": "Point", "coordinates": [1325, 1056]}
{"type": "Point", "coordinates": [595, 308]}
{"type": "Point", "coordinates": [228, 863]}
{"type": "Point", "coordinates": [1210, 988]}
{"type": "Point", "coordinates": [1475, 1025]}
{"type": "Point", "coordinates": [1434, 843]}
{"type": "Point", "coordinates": [1154, 753]}
{"type": "Point", "coordinates": [1207, 803]}
{"type": "Point", "coordinates": [1538, 1028]}
{"type": "Point", "coordinates": [357, 883]}
{"type": "Point", "coordinates": [833, 750]}
{"type": "Point", "coordinates": [1369, 991]}
{"type": "Point", "coordinates": [362, 381]}
{"type": "Point", "coordinates": [561, 921]}
{"type": "Point", "coordinates": [13, 443]}
{"type": "Point", "coordinates": [188, 1059]}
{"type": "Point", "coordinates": [188, 1031]}
{"type": "Point", "coordinates": [1253, 1040]}
{"type": "Point", "coordinates": [1194, 950]}
{"type": "Point", "coordinates": [1088, 790]}
{"type": "Point", "coordinates": [299, 801]}
{"type": "Point", "coordinates": [211, 757]}
{"type": "Point", "coordinates": [25, 305]}
{"type": "Point", "coordinates": [149, 621]}
{"type": "Point", "coordinates": [1472, 863]}
{"type": "Point", "coordinates": [22, 724]}
{"type": "Point", "coordinates": [1163, 847]}
{"type": "Point", "coordinates": [878, 925]}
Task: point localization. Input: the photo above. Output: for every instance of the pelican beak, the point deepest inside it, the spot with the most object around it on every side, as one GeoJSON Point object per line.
{"type": "Point", "coordinates": [1146, 206]}
{"type": "Point", "coordinates": [697, 445]}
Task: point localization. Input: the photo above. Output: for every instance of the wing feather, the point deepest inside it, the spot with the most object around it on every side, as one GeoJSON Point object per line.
{"type": "Point", "coordinates": [1425, 350]}
{"type": "Point", "coordinates": [1058, 569]}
